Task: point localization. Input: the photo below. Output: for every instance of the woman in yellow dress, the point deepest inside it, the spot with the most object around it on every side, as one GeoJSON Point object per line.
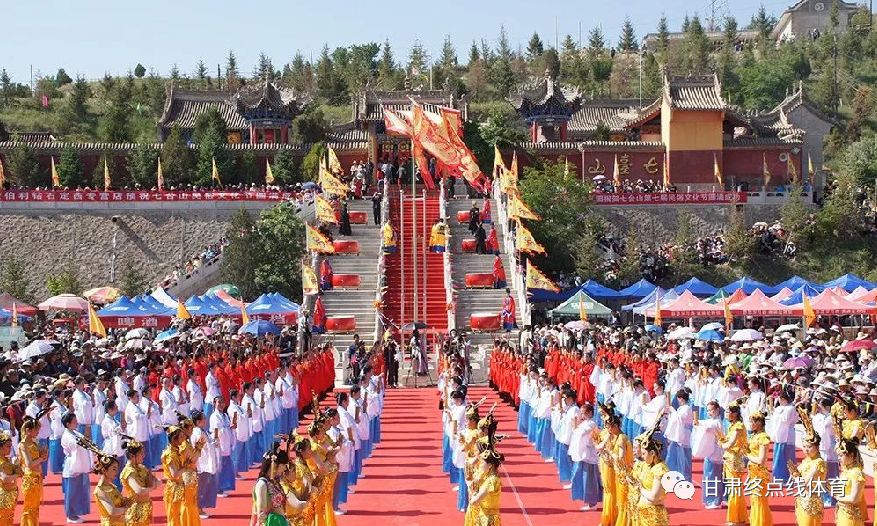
{"type": "Point", "coordinates": [137, 484]}
{"type": "Point", "coordinates": [734, 466]}
{"type": "Point", "coordinates": [851, 510]}
{"type": "Point", "coordinates": [189, 453]}
{"type": "Point", "coordinates": [322, 462]}
{"type": "Point", "coordinates": [296, 485]}
{"type": "Point", "coordinates": [852, 425]}
{"type": "Point", "coordinates": [812, 472]}
{"type": "Point", "coordinates": [485, 498]}
{"type": "Point", "coordinates": [389, 237]}
{"type": "Point", "coordinates": [759, 473]}
{"type": "Point", "coordinates": [304, 477]}
{"type": "Point", "coordinates": [111, 505]}
{"type": "Point", "coordinates": [172, 467]}
{"type": "Point", "coordinates": [614, 496]}
{"type": "Point", "coordinates": [9, 473]}
{"type": "Point", "coordinates": [31, 458]}
{"type": "Point", "coordinates": [649, 509]}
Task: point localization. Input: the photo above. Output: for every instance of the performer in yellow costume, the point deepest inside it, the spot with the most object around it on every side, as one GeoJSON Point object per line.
{"type": "Point", "coordinates": [759, 473]}
{"type": "Point", "coordinates": [9, 473]}
{"type": "Point", "coordinates": [31, 458]}
{"type": "Point", "coordinates": [736, 447]}
{"type": "Point", "coordinates": [189, 453]}
{"type": "Point", "coordinates": [438, 236]}
{"type": "Point", "coordinates": [137, 484]}
{"type": "Point", "coordinates": [296, 485]}
{"type": "Point", "coordinates": [811, 472]}
{"type": "Point", "coordinates": [649, 509]}
{"type": "Point", "coordinates": [112, 507]}
{"type": "Point", "coordinates": [616, 461]}
{"type": "Point", "coordinates": [310, 487]}
{"type": "Point", "coordinates": [851, 507]}
{"type": "Point", "coordinates": [389, 237]}
{"type": "Point", "coordinates": [486, 496]}
{"type": "Point", "coordinates": [172, 467]}
{"type": "Point", "coordinates": [322, 461]}
{"type": "Point", "coordinates": [852, 425]}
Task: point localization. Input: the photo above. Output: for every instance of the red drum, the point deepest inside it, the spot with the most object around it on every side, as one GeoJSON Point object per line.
{"type": "Point", "coordinates": [345, 281]}
{"type": "Point", "coordinates": [342, 323]}
{"type": "Point", "coordinates": [346, 246]}
{"type": "Point", "coordinates": [485, 322]}
{"type": "Point", "coordinates": [358, 218]}
{"type": "Point", "coordinates": [479, 281]}
{"type": "Point", "coordinates": [469, 245]}
{"type": "Point", "coordinates": [463, 216]}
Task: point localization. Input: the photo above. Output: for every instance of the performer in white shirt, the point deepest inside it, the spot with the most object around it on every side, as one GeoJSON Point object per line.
{"type": "Point", "coordinates": [824, 426]}
{"type": "Point", "coordinates": [251, 403]}
{"type": "Point", "coordinates": [755, 403]}
{"type": "Point", "coordinates": [374, 387]}
{"type": "Point", "coordinates": [344, 457]}
{"type": "Point", "coordinates": [111, 432]}
{"type": "Point", "coordinates": [121, 388]}
{"type": "Point", "coordinates": [705, 444]}
{"type": "Point", "coordinates": [169, 406]}
{"type": "Point", "coordinates": [583, 452]}
{"type": "Point", "coordinates": [240, 424]}
{"type": "Point", "coordinates": [348, 428]}
{"type": "Point", "coordinates": [77, 466]}
{"type": "Point", "coordinates": [157, 436]}
{"type": "Point", "coordinates": [137, 423]}
{"type": "Point", "coordinates": [183, 406]}
{"type": "Point", "coordinates": [214, 390]}
{"type": "Point", "coordinates": [678, 434]}
{"type": "Point", "coordinates": [99, 399]}
{"type": "Point", "coordinates": [524, 396]}
{"type": "Point", "coordinates": [33, 410]}
{"type": "Point", "coordinates": [454, 426]}
{"type": "Point", "coordinates": [207, 464]}
{"type": "Point", "coordinates": [568, 417]}
{"type": "Point", "coordinates": [83, 407]}
{"type": "Point", "coordinates": [356, 406]}
{"type": "Point", "coordinates": [59, 409]}
{"type": "Point", "coordinates": [268, 412]}
{"type": "Point", "coordinates": [193, 391]}
{"type": "Point", "coordinates": [224, 438]}
{"type": "Point", "coordinates": [537, 384]}
{"type": "Point", "coordinates": [782, 433]}
{"type": "Point", "coordinates": [287, 384]}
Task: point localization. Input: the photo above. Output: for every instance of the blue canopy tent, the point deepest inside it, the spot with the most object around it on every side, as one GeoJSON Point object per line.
{"type": "Point", "coordinates": [598, 291]}
{"type": "Point", "coordinates": [198, 307]}
{"type": "Point", "coordinates": [638, 290]}
{"type": "Point", "coordinates": [150, 306]}
{"type": "Point", "coordinates": [121, 307]}
{"type": "Point", "coordinates": [793, 283]}
{"type": "Point", "coordinates": [849, 282]}
{"type": "Point", "coordinates": [276, 296]}
{"type": "Point", "coordinates": [746, 283]}
{"type": "Point", "coordinates": [544, 295]}
{"type": "Point", "coordinates": [664, 297]}
{"type": "Point", "coordinates": [221, 305]}
{"type": "Point", "coordinates": [797, 296]}
{"type": "Point", "coordinates": [697, 287]}
{"type": "Point", "coordinates": [6, 316]}
{"type": "Point", "coordinates": [270, 304]}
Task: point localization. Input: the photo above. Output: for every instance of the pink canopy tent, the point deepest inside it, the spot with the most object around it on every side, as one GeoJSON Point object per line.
{"type": "Point", "coordinates": [7, 300]}
{"type": "Point", "coordinates": [859, 296]}
{"type": "Point", "coordinates": [224, 296]}
{"type": "Point", "coordinates": [783, 294]}
{"type": "Point", "coordinates": [687, 305]}
{"type": "Point", "coordinates": [758, 304]}
{"type": "Point", "coordinates": [828, 303]}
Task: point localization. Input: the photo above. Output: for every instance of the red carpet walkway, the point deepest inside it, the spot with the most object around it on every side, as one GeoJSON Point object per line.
{"type": "Point", "coordinates": [404, 484]}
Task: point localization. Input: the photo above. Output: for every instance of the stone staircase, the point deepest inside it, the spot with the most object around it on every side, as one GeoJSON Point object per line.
{"type": "Point", "coordinates": [360, 301]}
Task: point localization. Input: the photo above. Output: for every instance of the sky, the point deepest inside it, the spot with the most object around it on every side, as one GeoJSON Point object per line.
{"type": "Point", "coordinates": [94, 37]}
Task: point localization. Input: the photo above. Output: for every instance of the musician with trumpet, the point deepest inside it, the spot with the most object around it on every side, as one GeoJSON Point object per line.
{"type": "Point", "coordinates": [77, 466]}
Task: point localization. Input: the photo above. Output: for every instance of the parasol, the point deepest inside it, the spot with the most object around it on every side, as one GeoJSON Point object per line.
{"type": "Point", "coordinates": [654, 328]}
{"type": "Point", "coordinates": [37, 348]}
{"type": "Point", "coordinates": [858, 345]}
{"type": "Point", "coordinates": [577, 325]}
{"type": "Point", "coordinates": [710, 336]}
{"type": "Point", "coordinates": [747, 335]}
{"type": "Point", "coordinates": [140, 332]}
{"type": "Point", "coordinates": [102, 295]}
{"type": "Point", "coordinates": [682, 333]}
{"type": "Point", "coordinates": [68, 302]}
{"type": "Point", "coordinates": [798, 362]}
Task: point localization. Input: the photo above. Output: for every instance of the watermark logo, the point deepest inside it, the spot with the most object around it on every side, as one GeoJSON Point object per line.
{"type": "Point", "coordinates": [675, 483]}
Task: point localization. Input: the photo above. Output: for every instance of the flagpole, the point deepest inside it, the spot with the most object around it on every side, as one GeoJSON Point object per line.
{"type": "Point", "coordinates": [414, 230]}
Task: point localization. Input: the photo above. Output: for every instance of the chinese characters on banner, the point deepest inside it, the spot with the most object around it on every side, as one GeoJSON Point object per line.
{"type": "Point", "coordinates": [140, 196]}
{"type": "Point", "coordinates": [676, 198]}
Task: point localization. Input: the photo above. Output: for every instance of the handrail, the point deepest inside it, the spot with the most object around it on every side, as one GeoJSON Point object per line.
{"type": "Point", "coordinates": [516, 273]}
{"type": "Point", "coordinates": [446, 261]}
{"type": "Point", "coordinates": [382, 267]}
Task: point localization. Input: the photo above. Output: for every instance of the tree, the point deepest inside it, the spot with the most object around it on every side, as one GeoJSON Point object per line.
{"type": "Point", "coordinates": [627, 43]}
{"type": "Point", "coordinates": [209, 120]}
{"type": "Point", "coordinates": [4, 134]}
{"type": "Point", "coordinates": [697, 47]}
{"type": "Point", "coordinates": [310, 127]}
{"type": "Point", "coordinates": [211, 150]}
{"type": "Point", "coordinates": [415, 74]}
{"type": "Point", "coordinates": [133, 282]}
{"type": "Point", "coordinates": [535, 47]}
{"type": "Point", "coordinates": [242, 255]}
{"type": "Point", "coordinates": [859, 161]}
{"type": "Point", "coordinates": [596, 40]}
{"type": "Point", "coordinates": [310, 165]}
{"type": "Point", "coordinates": [139, 71]}
{"type": "Point", "coordinates": [448, 59]}
{"type": "Point", "coordinates": [299, 75]}
{"type": "Point", "coordinates": [70, 168]}
{"type": "Point", "coordinates": [232, 76]}
{"type": "Point", "coordinates": [62, 78]}
{"type": "Point", "coordinates": [572, 67]}
{"type": "Point", "coordinates": [114, 124]}
{"type": "Point", "coordinates": [502, 128]}
{"type": "Point", "coordinates": [663, 35]}
{"type": "Point", "coordinates": [5, 87]}
{"type": "Point", "coordinates": [564, 213]}
{"type": "Point", "coordinates": [684, 262]}
{"type": "Point", "coordinates": [795, 216]}
{"type": "Point", "coordinates": [176, 159]}
{"type": "Point", "coordinates": [66, 281]}
{"type": "Point", "coordinates": [330, 84]}
{"type": "Point", "coordinates": [388, 72]}
{"type": "Point", "coordinates": [248, 170]}
{"type": "Point", "coordinates": [75, 119]}
{"type": "Point", "coordinates": [14, 280]}
{"type": "Point", "coordinates": [739, 242]}
{"type": "Point", "coordinates": [143, 166]}
{"type": "Point", "coordinates": [552, 63]}
{"type": "Point", "coordinates": [501, 74]}
{"type": "Point", "coordinates": [25, 168]}
{"type": "Point", "coordinates": [474, 54]}
{"type": "Point", "coordinates": [201, 73]}
{"type": "Point", "coordinates": [264, 69]}
{"type": "Point", "coordinates": [587, 257]}
{"type": "Point", "coordinates": [762, 22]}
{"type": "Point", "coordinates": [284, 168]}
{"type": "Point", "coordinates": [839, 219]}
{"type": "Point", "coordinates": [281, 248]}
{"type": "Point", "coordinates": [862, 112]}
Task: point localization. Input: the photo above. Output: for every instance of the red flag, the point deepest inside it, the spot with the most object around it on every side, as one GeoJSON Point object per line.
{"type": "Point", "coordinates": [395, 123]}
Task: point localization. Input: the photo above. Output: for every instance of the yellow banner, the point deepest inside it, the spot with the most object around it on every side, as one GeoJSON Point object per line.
{"type": "Point", "coordinates": [525, 242]}
{"type": "Point", "coordinates": [809, 313]}
{"type": "Point", "coordinates": [309, 282]}
{"type": "Point", "coordinates": [245, 319]}
{"type": "Point", "coordinates": [108, 181]}
{"type": "Point", "coordinates": [215, 173]}
{"type": "Point", "coordinates": [317, 242]}
{"type": "Point", "coordinates": [182, 311]}
{"type": "Point", "coordinates": [334, 163]}
{"type": "Point", "coordinates": [517, 209]}
{"type": "Point", "coordinates": [331, 184]}
{"type": "Point", "coordinates": [508, 179]}
{"type": "Point", "coordinates": [159, 177]}
{"type": "Point", "coordinates": [56, 180]}
{"type": "Point", "coordinates": [537, 280]}
{"type": "Point", "coordinates": [325, 210]}
{"type": "Point", "coordinates": [269, 174]}
{"type": "Point", "coordinates": [95, 326]}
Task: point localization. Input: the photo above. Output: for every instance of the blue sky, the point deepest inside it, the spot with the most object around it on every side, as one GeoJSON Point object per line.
{"type": "Point", "coordinates": [91, 37]}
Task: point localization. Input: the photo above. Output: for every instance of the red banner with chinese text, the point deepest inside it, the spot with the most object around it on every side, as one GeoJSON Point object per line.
{"type": "Point", "coordinates": [671, 198]}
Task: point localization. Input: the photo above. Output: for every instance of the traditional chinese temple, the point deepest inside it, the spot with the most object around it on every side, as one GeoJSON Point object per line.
{"type": "Point", "coordinates": [680, 138]}
{"type": "Point", "coordinates": [256, 114]}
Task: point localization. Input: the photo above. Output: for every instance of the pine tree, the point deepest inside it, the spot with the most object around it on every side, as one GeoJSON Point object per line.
{"type": "Point", "coordinates": [417, 60]}
{"type": "Point", "coordinates": [535, 47]}
{"type": "Point", "coordinates": [248, 170]}
{"type": "Point", "coordinates": [501, 74]}
{"type": "Point", "coordinates": [25, 168]}
{"type": "Point", "coordinates": [232, 77]}
{"type": "Point", "coordinates": [114, 123]}
{"type": "Point", "coordinates": [13, 279]}
{"type": "Point", "coordinates": [663, 35]}
{"type": "Point", "coordinates": [175, 72]}
{"type": "Point", "coordinates": [474, 54]}
{"type": "Point", "coordinates": [176, 159]}
{"type": "Point", "coordinates": [686, 23]}
{"type": "Point", "coordinates": [264, 69]}
{"type": "Point", "coordinates": [325, 74]}
{"type": "Point", "coordinates": [571, 65]}
{"type": "Point", "coordinates": [62, 78]}
{"type": "Point", "coordinates": [449, 55]}
{"type": "Point", "coordinates": [628, 42]}
{"type": "Point", "coordinates": [139, 71]}
{"type": "Point", "coordinates": [142, 165]}
{"type": "Point", "coordinates": [70, 168]}
{"type": "Point", "coordinates": [5, 87]}
{"type": "Point", "coordinates": [697, 47]}
{"type": "Point", "coordinates": [596, 41]}
{"type": "Point", "coordinates": [762, 22]}
{"type": "Point", "coordinates": [201, 73]}
{"type": "Point", "coordinates": [551, 62]}
{"type": "Point", "coordinates": [388, 72]}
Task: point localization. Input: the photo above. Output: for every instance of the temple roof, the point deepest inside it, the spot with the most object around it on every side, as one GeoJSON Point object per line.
{"type": "Point", "coordinates": [546, 97]}
{"type": "Point", "coordinates": [694, 92]}
{"type": "Point", "coordinates": [269, 96]}
{"type": "Point", "coordinates": [367, 105]}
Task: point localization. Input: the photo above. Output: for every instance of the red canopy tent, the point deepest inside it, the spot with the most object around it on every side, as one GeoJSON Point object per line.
{"type": "Point", "coordinates": [828, 303]}
{"type": "Point", "coordinates": [224, 296]}
{"type": "Point", "coordinates": [687, 305]}
{"type": "Point", "coordinates": [6, 301]}
{"type": "Point", "coordinates": [865, 296]}
{"type": "Point", "coordinates": [758, 304]}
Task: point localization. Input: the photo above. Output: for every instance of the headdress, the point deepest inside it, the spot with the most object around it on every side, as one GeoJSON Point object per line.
{"type": "Point", "coordinates": [850, 447]}
{"type": "Point", "coordinates": [101, 460]}
{"type": "Point", "coordinates": [472, 412]}
{"type": "Point", "coordinates": [5, 437]}
{"type": "Point", "coordinates": [492, 457]}
{"type": "Point", "coordinates": [132, 446]}
{"type": "Point", "coordinates": [607, 412]}
{"type": "Point", "coordinates": [184, 421]}
{"type": "Point", "coordinates": [172, 430]}
{"type": "Point", "coordinates": [810, 434]}
{"type": "Point", "coordinates": [648, 441]}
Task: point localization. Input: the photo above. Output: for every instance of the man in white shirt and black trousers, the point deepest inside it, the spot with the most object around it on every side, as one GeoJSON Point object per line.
{"type": "Point", "coordinates": [77, 466]}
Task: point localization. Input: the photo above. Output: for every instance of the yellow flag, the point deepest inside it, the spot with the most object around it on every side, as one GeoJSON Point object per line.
{"type": "Point", "coordinates": [2, 174]}
{"type": "Point", "coordinates": [765, 170]}
{"type": "Point", "coordinates": [811, 173]}
{"type": "Point", "coordinates": [717, 171]}
{"type": "Point", "coordinates": [269, 175]}
{"type": "Point", "coordinates": [14, 314]}
{"type": "Point", "coordinates": [160, 176]}
{"type": "Point", "coordinates": [182, 311]}
{"type": "Point", "coordinates": [56, 180]}
{"type": "Point", "coordinates": [334, 163]}
{"type": "Point", "coordinates": [95, 326]}
{"type": "Point", "coordinates": [666, 173]}
{"type": "Point", "coordinates": [583, 312]}
{"type": "Point", "coordinates": [331, 184]}
{"type": "Point", "coordinates": [508, 179]}
{"type": "Point", "coordinates": [317, 242]}
{"type": "Point", "coordinates": [809, 313]}
{"type": "Point", "coordinates": [517, 209]}
{"type": "Point", "coordinates": [309, 282]}
{"type": "Point", "coordinates": [325, 210]}
{"type": "Point", "coordinates": [525, 242]}
{"type": "Point", "coordinates": [537, 280]}
{"type": "Point", "coordinates": [498, 164]}
{"type": "Point", "coordinates": [658, 318]}
{"type": "Point", "coordinates": [729, 317]}
{"type": "Point", "coordinates": [215, 174]}
{"type": "Point", "coordinates": [616, 174]}
{"type": "Point", "coordinates": [791, 171]}
{"type": "Point", "coordinates": [108, 182]}
{"type": "Point", "coordinates": [245, 319]}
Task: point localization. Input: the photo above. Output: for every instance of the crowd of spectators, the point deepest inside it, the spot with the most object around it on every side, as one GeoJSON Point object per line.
{"type": "Point", "coordinates": [205, 257]}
